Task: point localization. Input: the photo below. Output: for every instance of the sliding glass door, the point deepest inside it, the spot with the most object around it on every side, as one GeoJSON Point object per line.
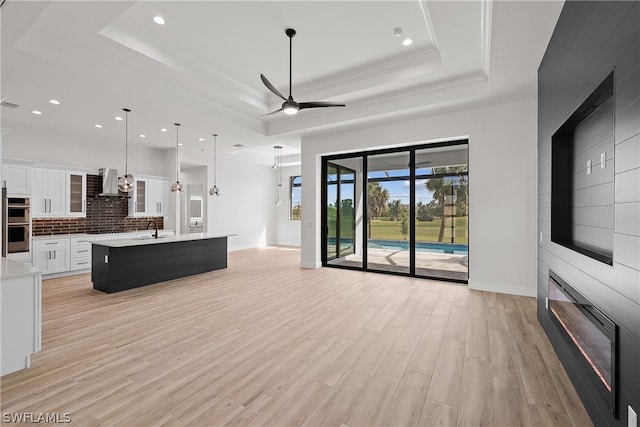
{"type": "Point", "coordinates": [388, 202]}
{"type": "Point", "coordinates": [441, 213]}
{"type": "Point", "coordinates": [340, 214]}
{"type": "Point", "coordinates": [402, 211]}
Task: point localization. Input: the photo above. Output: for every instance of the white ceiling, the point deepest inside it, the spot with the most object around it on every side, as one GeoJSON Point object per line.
{"type": "Point", "coordinates": [202, 68]}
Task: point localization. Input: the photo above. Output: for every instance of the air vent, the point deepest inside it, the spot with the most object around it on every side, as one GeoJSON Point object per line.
{"type": "Point", "coordinates": [9, 104]}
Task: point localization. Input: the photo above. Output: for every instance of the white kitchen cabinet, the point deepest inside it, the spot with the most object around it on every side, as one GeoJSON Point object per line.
{"type": "Point", "coordinates": [58, 193]}
{"type": "Point", "coordinates": [17, 178]}
{"type": "Point", "coordinates": [80, 257]}
{"type": "Point", "coordinates": [51, 255]}
{"type": "Point", "coordinates": [158, 197]}
{"type": "Point", "coordinates": [150, 197]}
{"type": "Point", "coordinates": [49, 193]}
{"type": "Point", "coordinates": [139, 197]}
{"type": "Point", "coordinates": [76, 194]}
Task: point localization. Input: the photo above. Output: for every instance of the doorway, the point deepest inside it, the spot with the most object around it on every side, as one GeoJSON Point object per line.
{"type": "Point", "coordinates": [340, 212]}
{"type": "Point", "coordinates": [399, 211]}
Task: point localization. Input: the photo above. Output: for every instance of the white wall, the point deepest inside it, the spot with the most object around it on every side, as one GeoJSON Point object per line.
{"type": "Point", "coordinates": [287, 230]}
{"type": "Point", "coordinates": [245, 208]}
{"type": "Point", "coordinates": [502, 186]}
{"type": "Point", "coordinates": [53, 147]}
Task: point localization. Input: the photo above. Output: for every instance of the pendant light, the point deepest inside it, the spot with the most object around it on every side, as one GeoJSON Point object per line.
{"type": "Point", "coordinates": [215, 191]}
{"type": "Point", "coordinates": [176, 187]}
{"type": "Point", "coordinates": [277, 165]}
{"type": "Point", "coordinates": [125, 182]}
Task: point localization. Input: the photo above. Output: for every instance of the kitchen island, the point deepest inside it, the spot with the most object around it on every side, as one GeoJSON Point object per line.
{"type": "Point", "coordinates": [118, 265]}
{"type": "Point", "coordinates": [20, 313]}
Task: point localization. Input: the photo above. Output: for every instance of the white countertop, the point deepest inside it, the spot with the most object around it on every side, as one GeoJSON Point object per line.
{"type": "Point", "coordinates": [99, 235]}
{"type": "Point", "coordinates": [121, 243]}
{"type": "Point", "coordinates": [10, 269]}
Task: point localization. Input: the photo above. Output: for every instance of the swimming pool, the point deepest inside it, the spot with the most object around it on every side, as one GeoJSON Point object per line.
{"type": "Point", "coordinates": [433, 247]}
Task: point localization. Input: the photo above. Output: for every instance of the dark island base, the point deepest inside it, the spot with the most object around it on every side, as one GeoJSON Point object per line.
{"type": "Point", "coordinates": [134, 266]}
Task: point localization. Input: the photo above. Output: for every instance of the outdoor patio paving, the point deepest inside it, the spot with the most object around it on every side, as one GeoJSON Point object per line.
{"type": "Point", "coordinates": [432, 264]}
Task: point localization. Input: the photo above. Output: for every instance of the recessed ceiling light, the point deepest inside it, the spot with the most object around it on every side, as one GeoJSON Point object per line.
{"type": "Point", "coordinates": [158, 20]}
{"type": "Point", "coordinates": [200, 139]}
{"type": "Point", "coordinates": [142, 135]}
{"type": "Point", "coordinates": [163, 129]}
{"type": "Point", "coordinates": [54, 101]}
{"type": "Point", "coordinates": [407, 42]}
{"type": "Point", "coordinates": [180, 144]}
{"type": "Point", "coordinates": [97, 125]}
{"type": "Point", "coordinates": [36, 112]}
{"type": "Point", "coordinates": [118, 118]}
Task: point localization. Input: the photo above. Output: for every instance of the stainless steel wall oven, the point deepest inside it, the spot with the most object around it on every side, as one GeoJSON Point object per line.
{"type": "Point", "coordinates": [17, 224]}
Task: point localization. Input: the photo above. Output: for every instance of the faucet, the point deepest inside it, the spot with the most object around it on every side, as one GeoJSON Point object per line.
{"type": "Point", "coordinates": [155, 226]}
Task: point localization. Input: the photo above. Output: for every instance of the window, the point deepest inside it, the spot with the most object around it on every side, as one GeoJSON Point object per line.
{"type": "Point", "coordinates": [295, 198]}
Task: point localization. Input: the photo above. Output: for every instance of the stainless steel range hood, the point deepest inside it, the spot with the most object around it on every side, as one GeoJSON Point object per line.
{"type": "Point", "coordinates": [109, 182]}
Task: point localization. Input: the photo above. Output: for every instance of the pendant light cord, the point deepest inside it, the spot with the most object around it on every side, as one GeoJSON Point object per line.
{"type": "Point", "coordinates": [215, 160]}
{"type": "Point", "coordinates": [177, 151]}
{"type": "Point", "coordinates": [126, 140]}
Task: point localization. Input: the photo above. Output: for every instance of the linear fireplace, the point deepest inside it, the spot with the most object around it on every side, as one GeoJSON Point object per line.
{"type": "Point", "coordinates": [590, 334]}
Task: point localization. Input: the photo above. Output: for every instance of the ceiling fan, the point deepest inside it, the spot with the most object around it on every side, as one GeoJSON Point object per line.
{"type": "Point", "coordinates": [418, 164]}
{"type": "Point", "coordinates": [290, 106]}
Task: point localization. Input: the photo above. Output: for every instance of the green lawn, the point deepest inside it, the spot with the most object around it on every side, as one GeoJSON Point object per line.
{"type": "Point", "coordinates": [426, 231]}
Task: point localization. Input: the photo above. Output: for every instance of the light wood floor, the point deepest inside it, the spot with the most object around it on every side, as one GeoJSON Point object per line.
{"type": "Point", "coordinates": [268, 343]}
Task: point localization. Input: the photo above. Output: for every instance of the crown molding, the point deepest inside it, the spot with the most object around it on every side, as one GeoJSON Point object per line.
{"type": "Point", "coordinates": [367, 76]}
{"type": "Point", "coordinates": [455, 91]}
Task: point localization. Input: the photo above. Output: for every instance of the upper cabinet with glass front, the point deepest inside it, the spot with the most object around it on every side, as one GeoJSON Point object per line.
{"type": "Point", "coordinates": [149, 197]}
{"type": "Point", "coordinates": [58, 193]}
{"type": "Point", "coordinates": [76, 186]}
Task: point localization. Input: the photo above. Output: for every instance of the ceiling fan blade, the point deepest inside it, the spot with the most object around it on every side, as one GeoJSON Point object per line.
{"type": "Point", "coordinates": [304, 105]}
{"type": "Point", "coordinates": [271, 87]}
{"type": "Point", "coordinates": [273, 112]}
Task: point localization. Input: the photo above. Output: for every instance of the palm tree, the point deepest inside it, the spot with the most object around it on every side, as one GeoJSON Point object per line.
{"type": "Point", "coordinates": [395, 209]}
{"type": "Point", "coordinates": [441, 188]}
{"type": "Point", "coordinates": [376, 202]}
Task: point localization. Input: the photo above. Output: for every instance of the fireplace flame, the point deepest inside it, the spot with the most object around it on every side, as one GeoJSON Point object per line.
{"type": "Point", "coordinates": [584, 353]}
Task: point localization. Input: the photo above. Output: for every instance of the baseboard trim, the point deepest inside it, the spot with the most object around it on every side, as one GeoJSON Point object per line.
{"type": "Point", "coordinates": [310, 264]}
{"type": "Point", "coordinates": [502, 288]}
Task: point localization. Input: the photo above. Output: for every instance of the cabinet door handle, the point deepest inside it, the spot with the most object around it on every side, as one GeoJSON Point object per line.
{"type": "Point", "coordinates": [54, 255]}
{"type": "Point", "coordinates": [48, 254]}
{"type": "Point", "coordinates": [51, 243]}
{"type": "Point", "coordinates": [84, 250]}
{"type": "Point", "coordinates": [86, 262]}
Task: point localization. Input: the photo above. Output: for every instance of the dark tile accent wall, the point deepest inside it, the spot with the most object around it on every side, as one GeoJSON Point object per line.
{"type": "Point", "coordinates": [591, 39]}
{"type": "Point", "coordinates": [104, 215]}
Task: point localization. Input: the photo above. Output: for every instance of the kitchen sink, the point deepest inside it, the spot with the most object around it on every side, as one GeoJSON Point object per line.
{"type": "Point", "coordinates": [150, 237]}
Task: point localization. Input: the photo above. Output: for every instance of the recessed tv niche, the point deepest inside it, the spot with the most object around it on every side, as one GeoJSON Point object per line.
{"type": "Point", "coordinates": [582, 172]}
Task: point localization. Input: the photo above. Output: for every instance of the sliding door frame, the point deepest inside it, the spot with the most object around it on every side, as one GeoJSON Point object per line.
{"type": "Point", "coordinates": [411, 150]}
{"type": "Point", "coordinates": [324, 216]}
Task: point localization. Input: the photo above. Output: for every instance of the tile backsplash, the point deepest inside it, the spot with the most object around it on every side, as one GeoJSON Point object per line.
{"type": "Point", "coordinates": [104, 215]}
